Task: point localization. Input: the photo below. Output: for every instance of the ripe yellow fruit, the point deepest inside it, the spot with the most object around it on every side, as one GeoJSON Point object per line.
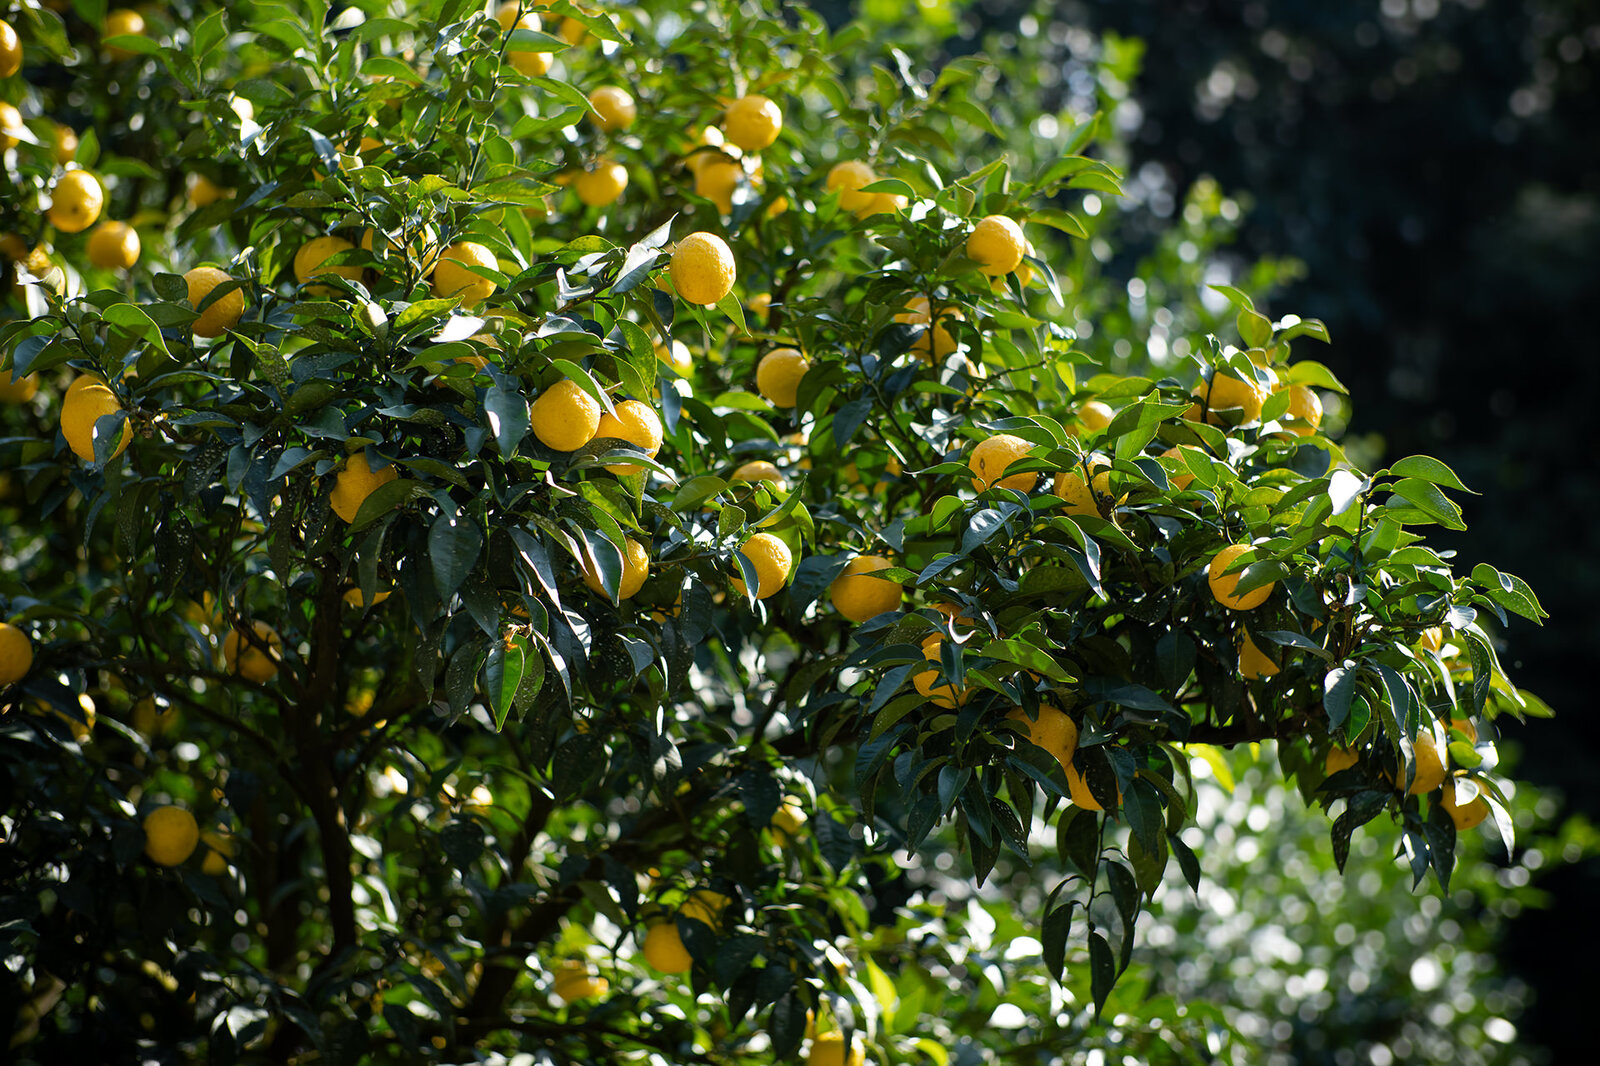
{"type": "Point", "coordinates": [531, 63]}
{"type": "Point", "coordinates": [1094, 416]}
{"type": "Point", "coordinates": [635, 568]}
{"type": "Point", "coordinates": [636, 423]}
{"type": "Point", "coordinates": [17, 390]}
{"type": "Point", "coordinates": [664, 950]}
{"type": "Point", "coordinates": [170, 835]}
{"type": "Point", "coordinates": [716, 178]}
{"type": "Point", "coordinates": [1222, 584]}
{"type": "Point", "coordinates": [772, 561]}
{"type": "Point", "coordinates": [1432, 639]}
{"type": "Point", "coordinates": [450, 278]}
{"type": "Point", "coordinates": [224, 313]}
{"type": "Point", "coordinates": [201, 191]}
{"type": "Point", "coordinates": [113, 246]}
{"type": "Point", "coordinates": [676, 356]}
{"type": "Point", "coordinates": [16, 654]}
{"type": "Point", "coordinates": [752, 122]}
{"type": "Point", "coordinates": [778, 375]}
{"type": "Point", "coordinates": [1182, 480]}
{"type": "Point", "coordinates": [828, 1049]}
{"type": "Point", "coordinates": [66, 144]}
{"type": "Point", "coordinates": [1228, 400]}
{"type": "Point", "coordinates": [564, 417]}
{"type": "Point", "coordinates": [601, 184]}
{"type": "Point", "coordinates": [10, 51]}
{"type": "Point", "coordinates": [80, 410]}
{"type": "Point", "coordinates": [220, 848]}
{"type": "Point", "coordinates": [75, 201]}
{"type": "Point", "coordinates": [859, 596]}
{"type": "Point", "coordinates": [991, 457]}
{"type": "Point", "coordinates": [1467, 815]}
{"type": "Point", "coordinates": [309, 259]}
{"type": "Point", "coordinates": [574, 980]}
{"type": "Point", "coordinates": [704, 905]}
{"type": "Point", "coordinates": [355, 483]}
{"type": "Point", "coordinates": [848, 178]}
{"type": "Point", "coordinates": [702, 268]}
{"type": "Point", "coordinates": [1305, 411]}
{"type": "Point", "coordinates": [10, 126]}
{"type": "Point", "coordinates": [1254, 664]}
{"type": "Point", "coordinates": [761, 470]}
{"type": "Point", "coordinates": [1430, 770]}
{"type": "Point", "coordinates": [254, 660]}
{"type": "Point", "coordinates": [1078, 790]}
{"type": "Point", "coordinates": [932, 343]}
{"type": "Point", "coordinates": [996, 244]}
{"type": "Point", "coordinates": [927, 681]}
{"type": "Point", "coordinates": [787, 821]}
{"type": "Point", "coordinates": [613, 108]}
{"type": "Point", "coordinates": [1339, 759]}
{"type": "Point", "coordinates": [1054, 731]}
{"type": "Point", "coordinates": [122, 23]}
{"type": "Point", "coordinates": [1077, 497]}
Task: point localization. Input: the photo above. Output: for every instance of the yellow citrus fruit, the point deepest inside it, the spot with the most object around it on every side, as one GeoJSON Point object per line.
{"type": "Point", "coordinates": [996, 244]}
{"type": "Point", "coordinates": [848, 178]}
{"type": "Point", "coordinates": [564, 417]}
{"type": "Point", "coordinates": [309, 259]}
{"type": "Point", "coordinates": [1339, 759]}
{"type": "Point", "coordinates": [254, 660]}
{"type": "Point", "coordinates": [574, 980]}
{"type": "Point", "coordinates": [1466, 727]}
{"type": "Point", "coordinates": [613, 108]}
{"type": "Point", "coordinates": [113, 246]}
{"type": "Point", "coordinates": [1467, 815]}
{"type": "Point", "coordinates": [66, 144]}
{"type": "Point", "coordinates": [16, 654]}
{"type": "Point", "coordinates": [201, 191]}
{"type": "Point", "coordinates": [10, 126]}
{"type": "Point", "coordinates": [573, 32]}
{"type": "Point", "coordinates": [75, 201]}
{"type": "Point", "coordinates": [1094, 416]}
{"type": "Point", "coordinates": [676, 356]}
{"type": "Point", "coordinates": [79, 413]}
{"type": "Point", "coordinates": [356, 482]}
{"type": "Point", "coordinates": [752, 122]}
{"type": "Point", "coordinates": [932, 343]}
{"type": "Point", "coordinates": [1228, 400]}
{"type": "Point", "coordinates": [1076, 495]}
{"type": "Point", "coordinates": [760, 470]}
{"type": "Point", "coordinates": [859, 596]}
{"type": "Point", "coordinates": [1054, 731]}
{"type": "Point", "coordinates": [635, 568]}
{"type": "Point", "coordinates": [170, 835]}
{"type": "Point", "coordinates": [991, 457]}
{"type": "Point", "coordinates": [219, 849]}
{"type": "Point", "coordinates": [355, 598]}
{"type": "Point", "coordinates": [1430, 765]}
{"type": "Point", "coordinates": [1222, 584]}
{"type": "Point", "coordinates": [636, 423]}
{"type": "Point", "coordinates": [450, 278]}
{"type": "Point", "coordinates": [1305, 411]}
{"type": "Point", "coordinates": [664, 950]}
{"type": "Point", "coordinates": [1254, 664]}
{"type": "Point", "coordinates": [787, 821]}
{"type": "Point", "coordinates": [927, 681]}
{"type": "Point", "coordinates": [828, 1049]}
{"type": "Point", "coordinates": [772, 561]}
{"type": "Point", "coordinates": [1432, 639]}
{"type": "Point", "coordinates": [10, 51]}
{"type": "Point", "coordinates": [778, 375]}
{"type": "Point", "coordinates": [528, 62]}
{"type": "Point", "coordinates": [1183, 480]}
{"type": "Point", "coordinates": [122, 23]}
{"type": "Point", "coordinates": [702, 268]}
{"type": "Point", "coordinates": [17, 390]}
{"type": "Point", "coordinates": [704, 905]}
{"type": "Point", "coordinates": [716, 179]}
{"type": "Point", "coordinates": [601, 184]}
{"type": "Point", "coordinates": [1078, 790]}
{"type": "Point", "coordinates": [224, 313]}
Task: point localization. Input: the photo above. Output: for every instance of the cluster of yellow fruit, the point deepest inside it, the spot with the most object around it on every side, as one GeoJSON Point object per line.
{"type": "Point", "coordinates": [171, 836]}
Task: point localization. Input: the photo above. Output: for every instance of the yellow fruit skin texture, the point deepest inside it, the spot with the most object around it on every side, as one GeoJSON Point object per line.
{"type": "Point", "coordinates": [1078, 790]}
{"type": "Point", "coordinates": [122, 23]}
{"type": "Point", "coordinates": [564, 417]}
{"type": "Point", "coordinates": [10, 120]}
{"type": "Point", "coordinates": [1076, 496]}
{"type": "Point", "coordinates": [1430, 770]}
{"type": "Point", "coordinates": [450, 279]}
{"type": "Point", "coordinates": [308, 263]}
{"type": "Point", "coordinates": [772, 560]}
{"type": "Point", "coordinates": [80, 411]}
{"type": "Point", "coordinates": [676, 355]}
{"type": "Point", "coordinates": [574, 982]}
{"type": "Point", "coordinates": [75, 201]}
{"type": "Point", "coordinates": [1222, 584]}
{"type": "Point", "coordinates": [601, 185]}
{"type": "Point", "coordinates": [760, 470]}
{"type": "Point", "coordinates": [934, 343]}
{"type": "Point", "coordinates": [1178, 481]}
{"type": "Point", "coordinates": [847, 178]}
{"type": "Point", "coordinates": [716, 179]}
{"type": "Point", "coordinates": [787, 821]}
{"type": "Point", "coordinates": [17, 390]}
{"type": "Point", "coordinates": [1053, 731]}
{"type": "Point", "coordinates": [613, 108]}
{"type": "Point", "coordinates": [702, 268]}
{"type": "Point", "coordinates": [664, 950]}
{"type": "Point", "coordinates": [635, 568]}
{"type": "Point", "coordinates": [1254, 664]}
{"type": "Point", "coordinates": [170, 835]}
{"type": "Point", "coordinates": [1339, 759]}
{"type": "Point", "coordinates": [1228, 400]}
{"type": "Point", "coordinates": [248, 659]}
{"type": "Point", "coordinates": [778, 376]}
{"type": "Point", "coordinates": [706, 906]}
{"type": "Point", "coordinates": [858, 596]}
{"type": "Point", "coordinates": [533, 64]}
{"type": "Point", "coordinates": [356, 482]}
{"type": "Point", "coordinates": [219, 849]}
{"type": "Point", "coordinates": [16, 654]}
{"type": "Point", "coordinates": [224, 313]}
{"type": "Point", "coordinates": [752, 122]}
{"type": "Point", "coordinates": [636, 423]}
{"type": "Point", "coordinates": [1305, 411]}
{"type": "Point", "coordinates": [10, 51]}
{"type": "Point", "coordinates": [927, 681]}
{"type": "Point", "coordinates": [991, 457]}
{"type": "Point", "coordinates": [828, 1049]}
{"type": "Point", "coordinates": [113, 246]}
{"type": "Point", "coordinates": [996, 245]}
{"type": "Point", "coordinates": [1467, 815]}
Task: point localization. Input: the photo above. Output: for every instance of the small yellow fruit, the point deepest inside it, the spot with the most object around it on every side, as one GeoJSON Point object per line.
{"type": "Point", "coordinates": [772, 561]}
{"type": "Point", "coordinates": [601, 184]}
{"type": "Point", "coordinates": [991, 457]}
{"type": "Point", "coordinates": [75, 201]}
{"type": "Point", "coordinates": [224, 313]}
{"type": "Point", "coordinates": [201, 191]}
{"type": "Point", "coordinates": [255, 660]}
{"type": "Point", "coordinates": [1467, 815]}
{"type": "Point", "coordinates": [752, 122]}
{"type": "Point", "coordinates": [17, 390]}
{"type": "Point", "coordinates": [11, 126]}
{"type": "Point", "coordinates": [170, 835]}
{"type": "Point", "coordinates": [10, 51]}
{"type": "Point", "coordinates": [1076, 495]}
{"type": "Point", "coordinates": [848, 178]}
{"type": "Point", "coordinates": [704, 905]}
{"type": "Point", "coordinates": [636, 423]}
{"type": "Point", "coordinates": [702, 268]}
{"type": "Point", "coordinates": [613, 108]}
{"type": "Point", "coordinates": [312, 254]}
{"type": "Point", "coordinates": [81, 410]}
{"type": "Point", "coordinates": [450, 278]}
{"type": "Point", "coordinates": [564, 417]}
{"type": "Point", "coordinates": [1254, 664]}
{"type": "Point", "coordinates": [113, 246]}
{"type": "Point", "coordinates": [664, 950]}
{"type": "Point", "coordinates": [1078, 790]}
{"type": "Point", "coordinates": [1305, 411]}
{"type": "Point", "coordinates": [122, 23]}
{"type": "Point", "coordinates": [356, 482]}
{"type": "Point", "coordinates": [1339, 759]}
{"type": "Point", "coordinates": [1054, 731]}
{"type": "Point", "coordinates": [859, 596]}
{"type": "Point", "coordinates": [16, 654]}
{"type": "Point", "coordinates": [220, 848]}
{"type": "Point", "coordinates": [1432, 639]}
{"type": "Point", "coordinates": [927, 681]}
{"type": "Point", "coordinates": [1181, 481]}
{"type": "Point", "coordinates": [778, 375]}
{"type": "Point", "coordinates": [574, 980]}
{"type": "Point", "coordinates": [635, 568]}
{"type": "Point", "coordinates": [828, 1049]}
{"type": "Point", "coordinates": [760, 470]}
{"type": "Point", "coordinates": [996, 245]}
{"type": "Point", "coordinates": [355, 598]}
{"type": "Point", "coordinates": [1222, 584]}
{"type": "Point", "coordinates": [1228, 400]}
{"type": "Point", "coordinates": [1430, 770]}
{"type": "Point", "coordinates": [528, 62]}
{"type": "Point", "coordinates": [66, 144]}
{"type": "Point", "coordinates": [1095, 416]}
{"type": "Point", "coordinates": [676, 356]}
{"type": "Point", "coordinates": [787, 821]}
{"type": "Point", "coordinates": [932, 343]}
{"type": "Point", "coordinates": [716, 179]}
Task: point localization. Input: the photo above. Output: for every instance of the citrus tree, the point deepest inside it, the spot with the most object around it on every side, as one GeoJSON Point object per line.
{"type": "Point", "coordinates": [521, 527]}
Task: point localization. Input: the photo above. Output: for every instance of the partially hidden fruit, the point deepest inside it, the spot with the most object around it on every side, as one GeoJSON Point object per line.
{"type": "Point", "coordinates": [928, 683]}
{"type": "Point", "coordinates": [1053, 731]}
{"type": "Point", "coordinates": [1079, 497]}
{"type": "Point", "coordinates": [312, 254]}
{"type": "Point", "coordinates": [1464, 815]}
{"type": "Point", "coordinates": [772, 561]}
{"type": "Point", "coordinates": [778, 375]}
{"type": "Point", "coordinates": [16, 654]}
{"type": "Point", "coordinates": [356, 482]}
{"type": "Point", "coordinates": [991, 457]}
{"type": "Point", "coordinates": [1254, 664]}
{"type": "Point", "coordinates": [170, 835]}
{"type": "Point", "coordinates": [1223, 583]}
{"type": "Point", "coordinates": [1078, 790]}
{"type": "Point", "coordinates": [636, 423]}
{"type": "Point", "coordinates": [613, 108]}
{"type": "Point", "coordinates": [996, 244]}
{"type": "Point", "coordinates": [81, 411]}
{"type": "Point", "coordinates": [858, 595]}
{"type": "Point", "coordinates": [17, 390]}
{"type": "Point", "coordinates": [10, 51]}
{"type": "Point", "coordinates": [635, 568]}
{"type": "Point", "coordinates": [524, 59]}
{"type": "Point", "coordinates": [829, 1049]}
{"type": "Point", "coordinates": [702, 268]}
{"type": "Point", "coordinates": [1228, 400]}
{"type": "Point", "coordinates": [224, 312]}
{"type": "Point", "coordinates": [576, 980]}
{"type": "Point", "coordinates": [254, 660]}
{"type": "Point", "coordinates": [564, 417]}
{"type": "Point", "coordinates": [1339, 759]}
{"type": "Point", "coordinates": [664, 950]}
{"type": "Point", "coordinates": [220, 848]}
{"type": "Point", "coordinates": [1304, 415]}
{"type": "Point", "coordinates": [451, 278]}
{"type": "Point", "coordinates": [122, 23]}
{"type": "Point", "coordinates": [936, 342]}
{"type": "Point", "coordinates": [760, 470]}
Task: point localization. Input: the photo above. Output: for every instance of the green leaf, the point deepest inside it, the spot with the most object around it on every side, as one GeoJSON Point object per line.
{"type": "Point", "coordinates": [453, 547]}
{"type": "Point", "coordinates": [1102, 971]}
{"type": "Point", "coordinates": [1509, 591]}
{"type": "Point", "coordinates": [1427, 468]}
{"type": "Point", "coordinates": [1426, 497]}
{"type": "Point", "coordinates": [503, 675]}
